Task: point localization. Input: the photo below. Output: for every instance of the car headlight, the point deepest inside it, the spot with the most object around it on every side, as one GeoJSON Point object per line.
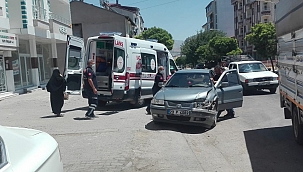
{"type": "Point", "coordinates": [157, 102]}
{"type": "Point", "coordinates": [203, 105]}
{"type": "Point", "coordinates": [249, 80]}
{"type": "Point", "coordinates": [275, 78]}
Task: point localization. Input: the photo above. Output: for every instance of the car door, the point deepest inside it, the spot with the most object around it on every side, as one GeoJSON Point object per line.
{"type": "Point", "coordinates": [75, 53]}
{"type": "Point", "coordinates": [230, 91]}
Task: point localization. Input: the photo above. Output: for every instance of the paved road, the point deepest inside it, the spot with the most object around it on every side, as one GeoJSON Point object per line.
{"type": "Point", "coordinates": [124, 139]}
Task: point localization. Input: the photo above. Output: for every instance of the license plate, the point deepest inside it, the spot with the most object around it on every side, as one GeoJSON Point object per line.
{"type": "Point", "coordinates": [178, 112]}
{"type": "Point", "coordinates": [264, 83]}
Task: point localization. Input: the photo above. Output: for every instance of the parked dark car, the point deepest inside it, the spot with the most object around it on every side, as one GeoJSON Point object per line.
{"type": "Point", "coordinates": [191, 97]}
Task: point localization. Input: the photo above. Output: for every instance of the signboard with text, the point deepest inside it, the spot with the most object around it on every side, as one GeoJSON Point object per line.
{"type": "Point", "coordinates": [8, 39]}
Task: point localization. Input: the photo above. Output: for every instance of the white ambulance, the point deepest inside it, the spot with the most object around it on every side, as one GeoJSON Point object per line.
{"type": "Point", "coordinates": [125, 67]}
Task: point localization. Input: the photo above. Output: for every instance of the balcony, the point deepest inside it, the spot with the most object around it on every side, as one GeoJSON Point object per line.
{"type": "Point", "coordinates": [40, 14]}
{"type": "Point", "coordinates": [58, 18]}
{"type": "Point", "coordinates": [233, 1]}
{"type": "Point", "coordinates": [266, 12]}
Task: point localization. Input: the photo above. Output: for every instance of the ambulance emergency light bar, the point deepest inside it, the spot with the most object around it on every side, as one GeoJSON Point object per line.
{"type": "Point", "coordinates": [152, 40]}
{"type": "Point", "coordinates": [110, 33]}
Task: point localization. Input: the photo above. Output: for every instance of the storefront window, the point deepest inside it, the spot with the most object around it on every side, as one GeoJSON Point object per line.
{"type": "Point", "coordinates": [2, 75]}
{"type": "Point", "coordinates": [47, 60]}
{"type": "Point", "coordinates": [16, 70]}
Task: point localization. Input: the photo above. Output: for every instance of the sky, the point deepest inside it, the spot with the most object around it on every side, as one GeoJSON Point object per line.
{"type": "Point", "coordinates": [181, 18]}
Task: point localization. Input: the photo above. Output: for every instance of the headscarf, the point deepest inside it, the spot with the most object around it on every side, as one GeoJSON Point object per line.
{"type": "Point", "coordinates": [56, 81]}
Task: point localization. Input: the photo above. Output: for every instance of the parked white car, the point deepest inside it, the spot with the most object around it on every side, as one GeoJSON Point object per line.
{"type": "Point", "coordinates": [28, 150]}
{"type": "Point", "coordinates": [255, 76]}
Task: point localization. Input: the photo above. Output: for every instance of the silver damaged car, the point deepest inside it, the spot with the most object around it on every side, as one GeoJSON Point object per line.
{"type": "Point", "coordinates": [190, 97]}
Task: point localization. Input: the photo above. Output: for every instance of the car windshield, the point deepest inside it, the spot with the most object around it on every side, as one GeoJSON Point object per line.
{"type": "Point", "coordinates": [189, 80]}
{"type": "Point", "coordinates": [251, 67]}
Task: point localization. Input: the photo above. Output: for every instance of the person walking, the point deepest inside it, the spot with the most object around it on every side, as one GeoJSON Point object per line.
{"type": "Point", "coordinates": [90, 88]}
{"type": "Point", "coordinates": [56, 86]}
{"type": "Point", "coordinates": [158, 78]}
{"type": "Point", "coordinates": [218, 72]}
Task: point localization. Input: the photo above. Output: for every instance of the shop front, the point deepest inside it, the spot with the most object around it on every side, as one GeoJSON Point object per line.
{"type": "Point", "coordinates": [8, 43]}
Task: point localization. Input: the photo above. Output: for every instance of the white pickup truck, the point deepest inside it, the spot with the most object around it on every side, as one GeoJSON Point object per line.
{"type": "Point", "coordinates": [255, 76]}
{"type": "Point", "coordinates": [290, 63]}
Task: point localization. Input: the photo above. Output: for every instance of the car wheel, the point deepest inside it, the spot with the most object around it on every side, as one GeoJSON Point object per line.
{"type": "Point", "coordinates": [272, 90]}
{"type": "Point", "coordinates": [297, 127]}
{"type": "Point", "coordinates": [102, 103]}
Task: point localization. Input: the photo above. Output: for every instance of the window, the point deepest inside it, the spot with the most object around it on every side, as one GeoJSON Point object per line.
{"type": "Point", "coordinates": [148, 63]}
{"type": "Point", "coordinates": [265, 20]}
{"type": "Point", "coordinates": [265, 6]}
{"type": "Point", "coordinates": [1, 11]}
{"type": "Point", "coordinates": [251, 67]}
{"type": "Point", "coordinates": [172, 66]}
{"type": "Point", "coordinates": [74, 58]}
{"type": "Point", "coordinates": [190, 80]}
{"type": "Point", "coordinates": [119, 60]}
{"type": "Point", "coordinates": [3, 159]}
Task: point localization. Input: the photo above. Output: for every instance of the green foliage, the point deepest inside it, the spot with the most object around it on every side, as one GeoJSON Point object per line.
{"type": "Point", "coordinates": [193, 48]}
{"type": "Point", "coordinates": [238, 51]}
{"type": "Point", "coordinates": [263, 37]}
{"type": "Point", "coordinates": [159, 34]}
{"type": "Point", "coordinates": [221, 46]}
{"type": "Point", "coordinates": [181, 61]}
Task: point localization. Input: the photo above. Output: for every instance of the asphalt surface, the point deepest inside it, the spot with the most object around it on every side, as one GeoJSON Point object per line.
{"type": "Point", "coordinates": [125, 139]}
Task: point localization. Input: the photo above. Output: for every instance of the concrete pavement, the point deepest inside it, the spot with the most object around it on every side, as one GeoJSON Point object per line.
{"type": "Point", "coordinates": [125, 139]}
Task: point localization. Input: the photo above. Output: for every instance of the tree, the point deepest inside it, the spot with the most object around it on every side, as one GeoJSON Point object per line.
{"type": "Point", "coordinates": [190, 46]}
{"type": "Point", "coordinates": [181, 61]}
{"type": "Point", "coordinates": [263, 37]}
{"type": "Point", "coordinates": [159, 34]}
{"type": "Point", "coordinates": [223, 46]}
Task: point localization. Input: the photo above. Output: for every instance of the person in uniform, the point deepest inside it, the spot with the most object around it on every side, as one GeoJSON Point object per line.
{"type": "Point", "coordinates": [90, 88]}
{"type": "Point", "coordinates": [158, 78]}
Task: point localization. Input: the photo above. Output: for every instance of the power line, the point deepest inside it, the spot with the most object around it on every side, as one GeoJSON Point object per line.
{"type": "Point", "coordinates": [159, 5]}
{"type": "Point", "coordinates": [138, 2]}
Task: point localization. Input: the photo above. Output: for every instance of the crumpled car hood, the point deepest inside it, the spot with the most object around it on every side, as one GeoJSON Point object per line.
{"type": "Point", "coordinates": [181, 94]}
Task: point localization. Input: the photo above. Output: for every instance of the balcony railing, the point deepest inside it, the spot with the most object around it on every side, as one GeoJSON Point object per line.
{"type": "Point", "coordinates": [60, 19]}
{"type": "Point", "coordinates": [266, 12]}
{"type": "Point", "coordinates": [40, 13]}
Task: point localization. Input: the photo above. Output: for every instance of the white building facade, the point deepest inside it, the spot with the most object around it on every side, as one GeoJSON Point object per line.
{"type": "Point", "coordinates": [36, 26]}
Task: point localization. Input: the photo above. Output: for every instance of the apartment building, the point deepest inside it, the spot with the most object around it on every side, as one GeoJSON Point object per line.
{"type": "Point", "coordinates": [133, 13]}
{"type": "Point", "coordinates": [219, 14]}
{"type": "Point", "coordinates": [30, 31]}
{"type": "Point", "coordinates": [8, 43]}
{"type": "Point", "coordinates": [248, 13]}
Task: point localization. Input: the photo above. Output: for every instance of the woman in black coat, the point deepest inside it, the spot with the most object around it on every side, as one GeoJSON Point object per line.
{"type": "Point", "coordinates": [56, 86]}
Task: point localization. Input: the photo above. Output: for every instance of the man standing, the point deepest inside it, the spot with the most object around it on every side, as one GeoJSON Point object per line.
{"type": "Point", "coordinates": [90, 87]}
{"type": "Point", "coordinates": [218, 72]}
{"type": "Point", "coordinates": [159, 78]}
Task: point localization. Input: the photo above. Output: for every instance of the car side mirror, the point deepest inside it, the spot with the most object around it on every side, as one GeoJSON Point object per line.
{"type": "Point", "coordinates": [223, 84]}
{"type": "Point", "coordinates": [269, 69]}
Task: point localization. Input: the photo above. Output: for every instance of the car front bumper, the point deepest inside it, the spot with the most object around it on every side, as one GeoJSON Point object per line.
{"type": "Point", "coordinates": [260, 85]}
{"type": "Point", "coordinates": [197, 117]}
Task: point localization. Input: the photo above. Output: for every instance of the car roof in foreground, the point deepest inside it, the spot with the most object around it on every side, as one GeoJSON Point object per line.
{"type": "Point", "coordinates": [194, 71]}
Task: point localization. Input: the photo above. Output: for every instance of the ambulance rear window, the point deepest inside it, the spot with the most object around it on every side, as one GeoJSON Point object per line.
{"type": "Point", "coordinates": [119, 60]}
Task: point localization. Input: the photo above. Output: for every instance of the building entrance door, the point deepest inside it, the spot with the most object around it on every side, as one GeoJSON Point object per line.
{"type": "Point", "coordinates": [2, 75]}
{"type": "Point", "coordinates": [25, 65]}
{"type": "Point", "coordinates": [41, 69]}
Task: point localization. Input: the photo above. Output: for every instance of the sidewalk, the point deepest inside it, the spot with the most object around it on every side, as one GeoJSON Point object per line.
{"type": "Point", "coordinates": [7, 95]}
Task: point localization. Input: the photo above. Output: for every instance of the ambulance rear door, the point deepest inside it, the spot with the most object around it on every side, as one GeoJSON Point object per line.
{"type": "Point", "coordinates": [75, 52]}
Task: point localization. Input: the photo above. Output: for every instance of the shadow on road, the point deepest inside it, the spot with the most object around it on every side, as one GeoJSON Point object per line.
{"type": "Point", "coordinates": [79, 108]}
{"type": "Point", "coordinates": [258, 93]}
{"type": "Point", "coordinates": [274, 149]}
{"type": "Point", "coordinates": [51, 116]}
{"type": "Point", "coordinates": [83, 118]}
{"type": "Point", "coordinates": [175, 127]}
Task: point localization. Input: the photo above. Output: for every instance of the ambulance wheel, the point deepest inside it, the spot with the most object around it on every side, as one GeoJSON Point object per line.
{"type": "Point", "coordinates": [102, 103]}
